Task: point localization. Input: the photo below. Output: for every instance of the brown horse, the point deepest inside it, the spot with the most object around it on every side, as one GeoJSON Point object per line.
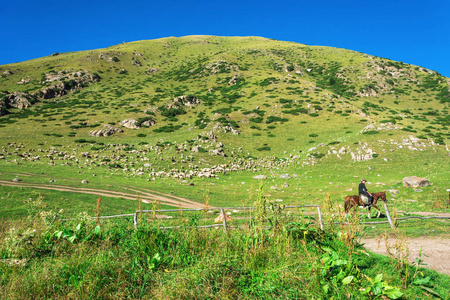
{"type": "Point", "coordinates": [351, 201]}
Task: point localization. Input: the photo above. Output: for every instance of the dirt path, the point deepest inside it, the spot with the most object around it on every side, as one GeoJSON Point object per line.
{"type": "Point", "coordinates": [146, 196]}
{"type": "Point", "coordinates": [435, 251]}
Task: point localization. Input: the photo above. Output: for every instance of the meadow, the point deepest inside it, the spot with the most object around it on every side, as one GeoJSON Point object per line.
{"type": "Point", "coordinates": [216, 122]}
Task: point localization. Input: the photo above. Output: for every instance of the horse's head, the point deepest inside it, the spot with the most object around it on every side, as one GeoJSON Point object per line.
{"type": "Point", "coordinates": [379, 196]}
{"type": "Point", "coordinates": [383, 196]}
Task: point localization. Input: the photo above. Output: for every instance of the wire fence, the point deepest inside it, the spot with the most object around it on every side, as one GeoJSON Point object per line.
{"type": "Point", "coordinates": [223, 218]}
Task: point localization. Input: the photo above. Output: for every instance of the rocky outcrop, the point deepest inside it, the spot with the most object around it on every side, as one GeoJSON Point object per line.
{"type": "Point", "coordinates": [414, 181]}
{"type": "Point", "coordinates": [66, 83]}
{"type": "Point", "coordinates": [2, 104]}
{"type": "Point", "coordinates": [184, 101]}
{"type": "Point", "coordinates": [136, 62]}
{"type": "Point", "coordinates": [130, 123]}
{"type": "Point", "coordinates": [19, 100]}
{"type": "Point", "coordinates": [107, 131]}
{"type": "Point", "coordinates": [220, 66]}
{"type": "Point", "coordinates": [6, 73]}
{"type": "Point", "coordinates": [379, 127]}
{"type": "Point", "coordinates": [148, 123]}
{"type": "Point", "coordinates": [109, 57]}
{"type": "Point", "coordinates": [151, 71]}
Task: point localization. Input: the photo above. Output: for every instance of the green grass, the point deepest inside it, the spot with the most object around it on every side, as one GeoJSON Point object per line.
{"type": "Point", "coordinates": [293, 259]}
{"type": "Point", "coordinates": [294, 106]}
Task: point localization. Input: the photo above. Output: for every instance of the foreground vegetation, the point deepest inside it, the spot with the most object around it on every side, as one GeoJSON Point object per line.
{"type": "Point", "coordinates": [274, 256]}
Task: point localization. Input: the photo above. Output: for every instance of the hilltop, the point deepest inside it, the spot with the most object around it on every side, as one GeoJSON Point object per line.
{"type": "Point", "coordinates": [204, 109]}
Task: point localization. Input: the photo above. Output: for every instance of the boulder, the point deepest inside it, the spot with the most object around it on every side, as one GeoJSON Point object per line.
{"type": "Point", "coordinates": [2, 106]}
{"type": "Point", "coordinates": [185, 100]}
{"type": "Point", "coordinates": [414, 181]}
{"type": "Point", "coordinates": [19, 100]}
{"type": "Point", "coordinates": [66, 82]}
{"type": "Point", "coordinates": [107, 131]}
{"type": "Point", "coordinates": [130, 123]}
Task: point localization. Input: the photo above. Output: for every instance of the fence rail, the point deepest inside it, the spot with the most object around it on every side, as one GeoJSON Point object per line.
{"type": "Point", "coordinates": [222, 213]}
{"type": "Point", "coordinates": [226, 226]}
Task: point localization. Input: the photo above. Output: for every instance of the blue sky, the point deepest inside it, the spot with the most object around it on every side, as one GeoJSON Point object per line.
{"type": "Point", "coordinates": [415, 32]}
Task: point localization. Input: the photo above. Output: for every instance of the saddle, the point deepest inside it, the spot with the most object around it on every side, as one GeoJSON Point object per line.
{"type": "Point", "coordinates": [364, 199]}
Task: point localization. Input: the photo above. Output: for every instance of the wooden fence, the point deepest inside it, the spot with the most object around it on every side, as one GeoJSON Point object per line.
{"type": "Point", "coordinates": [227, 226]}
{"type": "Point", "coordinates": [224, 223]}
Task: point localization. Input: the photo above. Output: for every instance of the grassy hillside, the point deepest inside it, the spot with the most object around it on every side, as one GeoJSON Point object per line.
{"type": "Point", "coordinates": [246, 105]}
{"type": "Point", "coordinates": [111, 131]}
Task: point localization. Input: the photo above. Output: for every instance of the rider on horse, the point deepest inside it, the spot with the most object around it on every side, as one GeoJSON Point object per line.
{"type": "Point", "coordinates": [363, 191]}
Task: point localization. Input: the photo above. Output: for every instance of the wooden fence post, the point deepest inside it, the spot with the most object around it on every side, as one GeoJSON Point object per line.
{"type": "Point", "coordinates": [388, 215]}
{"type": "Point", "coordinates": [224, 219]}
{"type": "Point", "coordinates": [320, 218]}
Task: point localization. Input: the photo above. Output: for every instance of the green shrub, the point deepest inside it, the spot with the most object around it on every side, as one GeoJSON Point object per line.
{"type": "Point", "coordinates": [272, 119]}
{"type": "Point", "coordinates": [264, 148]}
{"type": "Point", "coordinates": [371, 132]}
{"type": "Point", "coordinates": [256, 120]}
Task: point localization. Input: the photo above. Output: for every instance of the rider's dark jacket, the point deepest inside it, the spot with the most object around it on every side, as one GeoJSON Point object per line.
{"type": "Point", "coordinates": [362, 189]}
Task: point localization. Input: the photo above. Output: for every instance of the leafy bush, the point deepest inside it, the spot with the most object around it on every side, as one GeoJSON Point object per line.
{"type": "Point", "coordinates": [256, 120]}
{"type": "Point", "coordinates": [81, 141]}
{"type": "Point", "coordinates": [264, 148]}
{"type": "Point", "coordinates": [168, 128]}
{"type": "Point", "coordinates": [272, 119]}
{"type": "Point", "coordinates": [371, 132]}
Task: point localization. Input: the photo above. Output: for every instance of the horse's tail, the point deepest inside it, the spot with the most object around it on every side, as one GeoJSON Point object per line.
{"type": "Point", "coordinates": [347, 204]}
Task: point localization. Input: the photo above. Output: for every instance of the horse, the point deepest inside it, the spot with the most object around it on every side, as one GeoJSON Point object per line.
{"type": "Point", "coordinates": [351, 201]}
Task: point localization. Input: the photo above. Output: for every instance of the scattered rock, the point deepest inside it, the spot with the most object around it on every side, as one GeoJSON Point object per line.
{"type": "Point", "coordinates": [219, 219]}
{"type": "Point", "coordinates": [136, 63]}
{"type": "Point", "coordinates": [414, 181]}
{"type": "Point", "coordinates": [260, 177]}
{"type": "Point", "coordinates": [195, 149]}
{"type": "Point", "coordinates": [285, 176]}
{"type": "Point", "coordinates": [151, 71]}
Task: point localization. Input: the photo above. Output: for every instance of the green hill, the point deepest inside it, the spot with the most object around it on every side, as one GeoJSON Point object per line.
{"type": "Point", "coordinates": [216, 111]}
{"type": "Point", "coordinates": [217, 121]}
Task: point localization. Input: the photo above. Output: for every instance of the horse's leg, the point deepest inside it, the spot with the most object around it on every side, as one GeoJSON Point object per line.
{"type": "Point", "coordinates": [379, 211]}
{"type": "Point", "coordinates": [368, 215]}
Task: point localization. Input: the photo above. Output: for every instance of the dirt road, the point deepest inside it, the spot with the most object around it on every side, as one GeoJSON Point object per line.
{"type": "Point", "coordinates": [147, 196]}
{"type": "Point", "coordinates": [435, 251]}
